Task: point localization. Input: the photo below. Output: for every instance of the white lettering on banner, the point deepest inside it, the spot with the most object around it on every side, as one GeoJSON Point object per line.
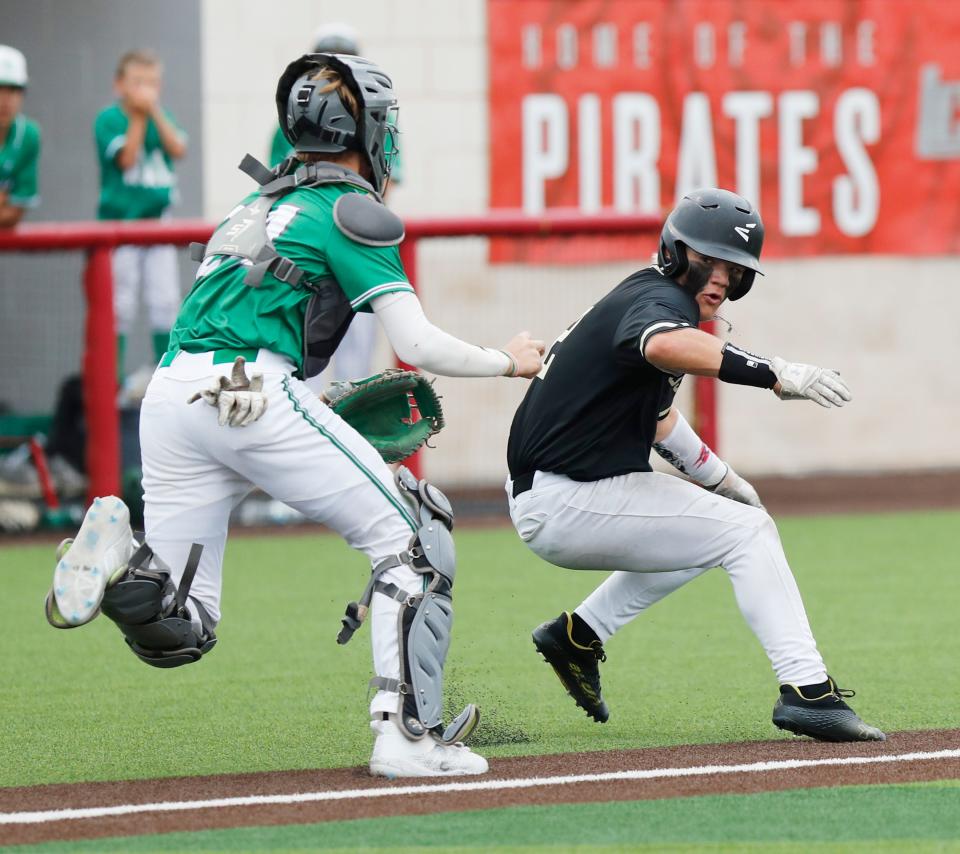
{"type": "Point", "coordinates": [797, 37]}
{"type": "Point", "coordinates": [636, 150]}
{"type": "Point", "coordinates": [806, 43]}
{"type": "Point", "coordinates": [704, 45]}
{"type": "Point", "coordinates": [532, 57]}
{"type": "Point", "coordinates": [746, 109]}
{"type": "Point", "coordinates": [856, 196]}
{"type": "Point", "coordinates": [736, 43]}
{"type": "Point", "coordinates": [866, 39]}
{"type": "Point", "coordinates": [696, 158]}
{"type": "Point", "coordinates": [544, 147]}
{"type": "Point", "coordinates": [588, 153]}
{"type": "Point", "coordinates": [567, 46]}
{"type": "Point", "coordinates": [605, 45]}
{"type": "Point", "coordinates": [641, 45]}
{"type": "Point", "coordinates": [637, 141]}
{"type": "Point", "coordinates": [795, 161]}
{"type": "Point", "coordinates": [831, 44]}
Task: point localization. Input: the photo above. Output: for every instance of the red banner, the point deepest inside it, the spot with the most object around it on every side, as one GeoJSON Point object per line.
{"type": "Point", "coordinates": [840, 119]}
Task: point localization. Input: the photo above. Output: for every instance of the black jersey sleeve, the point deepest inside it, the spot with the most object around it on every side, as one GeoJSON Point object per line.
{"type": "Point", "coordinates": [644, 319]}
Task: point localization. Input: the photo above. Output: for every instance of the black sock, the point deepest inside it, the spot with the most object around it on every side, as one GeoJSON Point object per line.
{"type": "Point", "coordinates": [582, 633]}
{"type": "Point", "coordinates": [811, 692]}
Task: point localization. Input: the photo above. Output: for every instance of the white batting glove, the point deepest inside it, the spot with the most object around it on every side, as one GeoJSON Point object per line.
{"type": "Point", "coordinates": [239, 401]}
{"type": "Point", "coordinates": [735, 487]}
{"type": "Point", "coordinates": [808, 382]}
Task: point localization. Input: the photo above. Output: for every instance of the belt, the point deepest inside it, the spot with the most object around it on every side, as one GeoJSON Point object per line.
{"type": "Point", "coordinates": [522, 483]}
{"type": "Point", "coordinates": [220, 357]}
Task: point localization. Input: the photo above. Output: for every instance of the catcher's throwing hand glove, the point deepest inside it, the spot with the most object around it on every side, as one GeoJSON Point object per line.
{"type": "Point", "coordinates": [808, 382]}
{"type": "Point", "coordinates": [735, 487]}
{"type": "Point", "coordinates": [239, 401]}
{"type": "Point", "coordinates": [380, 408]}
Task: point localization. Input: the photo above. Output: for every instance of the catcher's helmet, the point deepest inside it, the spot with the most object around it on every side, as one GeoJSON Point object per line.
{"type": "Point", "coordinates": [717, 223]}
{"type": "Point", "coordinates": [314, 121]}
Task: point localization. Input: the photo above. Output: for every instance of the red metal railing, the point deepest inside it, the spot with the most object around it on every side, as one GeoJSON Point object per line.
{"type": "Point", "coordinates": [98, 240]}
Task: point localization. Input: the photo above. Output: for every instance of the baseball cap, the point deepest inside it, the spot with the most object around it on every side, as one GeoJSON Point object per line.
{"type": "Point", "coordinates": [13, 67]}
{"type": "Point", "coordinates": [336, 38]}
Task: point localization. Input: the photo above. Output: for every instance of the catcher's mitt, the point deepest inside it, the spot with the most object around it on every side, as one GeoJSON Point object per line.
{"type": "Point", "coordinates": [380, 408]}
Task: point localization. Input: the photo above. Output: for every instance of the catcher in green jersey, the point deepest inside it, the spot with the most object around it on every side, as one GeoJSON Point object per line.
{"type": "Point", "coordinates": [19, 141]}
{"type": "Point", "coordinates": [278, 286]}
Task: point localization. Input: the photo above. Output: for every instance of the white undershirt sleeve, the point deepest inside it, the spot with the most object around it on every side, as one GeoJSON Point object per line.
{"type": "Point", "coordinates": [686, 451]}
{"type": "Point", "coordinates": [418, 342]}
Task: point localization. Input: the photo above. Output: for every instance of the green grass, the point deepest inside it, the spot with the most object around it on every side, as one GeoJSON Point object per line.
{"type": "Point", "coordinates": [279, 693]}
{"type": "Point", "coordinates": [918, 817]}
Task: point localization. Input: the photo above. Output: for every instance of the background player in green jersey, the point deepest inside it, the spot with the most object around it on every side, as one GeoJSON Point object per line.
{"type": "Point", "coordinates": [19, 141]}
{"type": "Point", "coordinates": [279, 284]}
{"type": "Point", "coordinates": [137, 143]}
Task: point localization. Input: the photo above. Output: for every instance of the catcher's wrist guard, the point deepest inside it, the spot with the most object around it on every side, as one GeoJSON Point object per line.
{"type": "Point", "coordinates": [381, 409]}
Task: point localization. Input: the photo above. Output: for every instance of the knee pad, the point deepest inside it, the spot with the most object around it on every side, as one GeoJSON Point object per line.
{"type": "Point", "coordinates": [151, 611]}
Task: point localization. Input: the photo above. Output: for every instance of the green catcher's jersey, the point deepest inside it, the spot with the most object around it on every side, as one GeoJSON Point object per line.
{"type": "Point", "coordinates": [19, 157]}
{"type": "Point", "coordinates": [221, 312]}
{"type": "Point", "coordinates": [148, 187]}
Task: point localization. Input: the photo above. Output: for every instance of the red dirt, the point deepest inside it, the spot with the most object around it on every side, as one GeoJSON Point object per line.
{"type": "Point", "coordinates": [72, 796]}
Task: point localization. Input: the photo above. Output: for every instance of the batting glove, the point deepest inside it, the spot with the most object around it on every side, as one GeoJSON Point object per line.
{"type": "Point", "coordinates": [239, 401]}
{"type": "Point", "coordinates": [735, 487]}
{"type": "Point", "coordinates": [808, 382]}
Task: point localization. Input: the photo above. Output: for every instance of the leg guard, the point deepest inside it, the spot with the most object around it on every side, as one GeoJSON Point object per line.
{"type": "Point", "coordinates": [426, 617]}
{"type": "Point", "coordinates": [151, 611]}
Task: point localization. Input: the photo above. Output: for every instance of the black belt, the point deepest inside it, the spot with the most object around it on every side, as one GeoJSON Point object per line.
{"type": "Point", "coordinates": [522, 483]}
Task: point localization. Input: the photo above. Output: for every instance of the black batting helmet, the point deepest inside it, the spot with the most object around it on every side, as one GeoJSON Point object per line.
{"type": "Point", "coordinates": [717, 223]}
{"type": "Point", "coordinates": [317, 121]}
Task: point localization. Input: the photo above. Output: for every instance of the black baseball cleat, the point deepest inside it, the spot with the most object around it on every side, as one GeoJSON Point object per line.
{"type": "Point", "coordinates": [574, 664]}
{"type": "Point", "coordinates": [825, 717]}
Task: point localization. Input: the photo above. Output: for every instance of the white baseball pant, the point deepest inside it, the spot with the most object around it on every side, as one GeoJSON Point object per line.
{"type": "Point", "coordinates": [300, 452]}
{"type": "Point", "coordinates": [152, 270]}
{"type": "Point", "coordinates": [657, 532]}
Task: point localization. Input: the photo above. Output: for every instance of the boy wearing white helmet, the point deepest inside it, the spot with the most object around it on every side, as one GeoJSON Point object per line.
{"type": "Point", "coordinates": [19, 141]}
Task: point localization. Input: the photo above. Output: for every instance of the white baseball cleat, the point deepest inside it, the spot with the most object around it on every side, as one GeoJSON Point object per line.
{"type": "Point", "coordinates": [99, 552]}
{"type": "Point", "coordinates": [395, 755]}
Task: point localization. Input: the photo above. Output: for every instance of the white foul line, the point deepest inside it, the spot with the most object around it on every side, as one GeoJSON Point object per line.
{"type": "Point", "coordinates": [477, 786]}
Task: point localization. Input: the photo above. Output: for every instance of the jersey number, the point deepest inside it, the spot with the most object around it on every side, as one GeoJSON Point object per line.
{"type": "Point", "coordinates": [560, 339]}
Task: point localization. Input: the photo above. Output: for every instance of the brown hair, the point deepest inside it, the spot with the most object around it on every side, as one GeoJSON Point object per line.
{"type": "Point", "coordinates": [334, 84]}
{"type": "Point", "coordinates": [140, 56]}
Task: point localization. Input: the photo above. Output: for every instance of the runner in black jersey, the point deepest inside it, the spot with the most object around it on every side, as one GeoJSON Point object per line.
{"type": "Point", "coordinates": [583, 494]}
{"type": "Point", "coordinates": [594, 409]}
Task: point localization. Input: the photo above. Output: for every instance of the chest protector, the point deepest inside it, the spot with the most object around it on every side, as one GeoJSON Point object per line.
{"type": "Point", "coordinates": [244, 235]}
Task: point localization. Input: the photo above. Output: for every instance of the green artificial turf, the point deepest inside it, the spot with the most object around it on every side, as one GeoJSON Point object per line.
{"type": "Point", "coordinates": [916, 817]}
{"type": "Point", "coordinates": [278, 692]}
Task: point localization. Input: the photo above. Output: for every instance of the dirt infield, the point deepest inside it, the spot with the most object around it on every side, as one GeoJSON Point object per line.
{"type": "Point", "coordinates": [300, 797]}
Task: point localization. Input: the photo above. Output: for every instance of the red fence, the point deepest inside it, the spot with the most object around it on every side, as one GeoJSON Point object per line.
{"type": "Point", "coordinates": [98, 240]}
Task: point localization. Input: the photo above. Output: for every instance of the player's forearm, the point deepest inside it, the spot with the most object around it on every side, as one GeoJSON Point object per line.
{"type": "Point", "coordinates": [685, 351]}
{"type": "Point", "coordinates": [418, 342]}
{"type": "Point", "coordinates": [170, 137]}
{"type": "Point", "coordinates": [680, 446]}
{"type": "Point", "coordinates": [129, 153]}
